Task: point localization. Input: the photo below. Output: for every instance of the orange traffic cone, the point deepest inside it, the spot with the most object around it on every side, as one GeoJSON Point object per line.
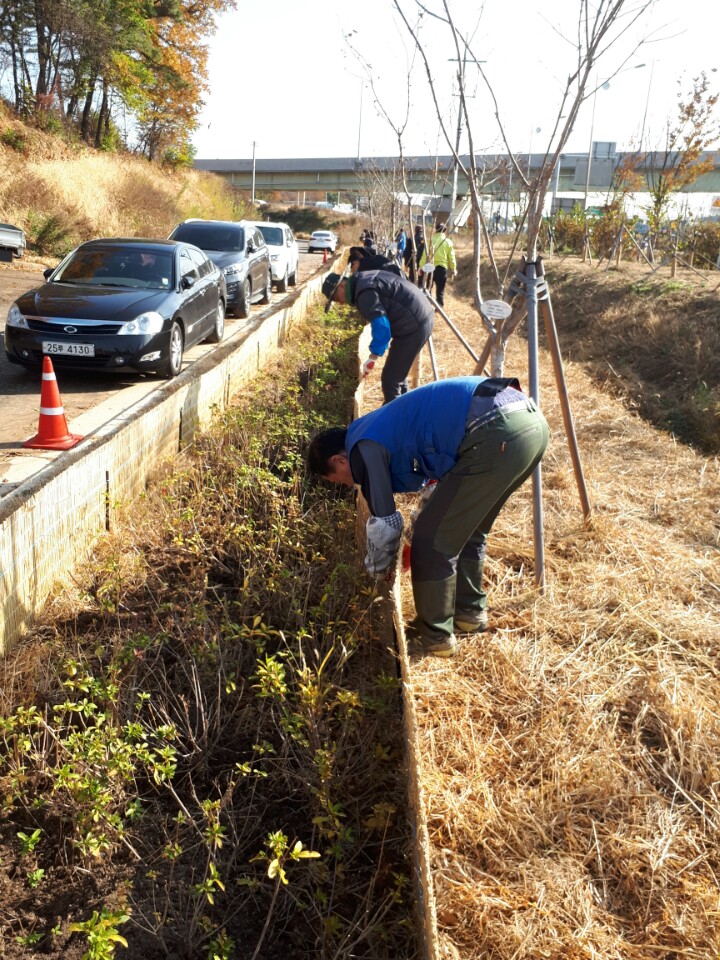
{"type": "Point", "coordinates": [324, 254]}
{"type": "Point", "coordinates": [52, 429]}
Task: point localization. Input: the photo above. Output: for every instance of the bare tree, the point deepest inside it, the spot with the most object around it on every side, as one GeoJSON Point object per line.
{"type": "Point", "coordinates": [398, 126]}
{"type": "Point", "coordinates": [380, 186]}
{"type": "Point", "coordinates": [600, 25]}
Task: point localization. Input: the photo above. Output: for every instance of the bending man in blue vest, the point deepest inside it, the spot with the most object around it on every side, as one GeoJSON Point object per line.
{"type": "Point", "coordinates": [480, 439]}
{"type": "Point", "coordinates": [398, 314]}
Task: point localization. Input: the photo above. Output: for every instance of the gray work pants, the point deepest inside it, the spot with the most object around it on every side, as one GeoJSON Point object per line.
{"type": "Point", "coordinates": [401, 354]}
{"type": "Point", "coordinates": [448, 546]}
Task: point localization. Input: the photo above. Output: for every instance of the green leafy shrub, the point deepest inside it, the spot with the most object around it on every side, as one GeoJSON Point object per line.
{"type": "Point", "coordinates": [50, 234]}
{"type": "Point", "coordinates": [15, 139]}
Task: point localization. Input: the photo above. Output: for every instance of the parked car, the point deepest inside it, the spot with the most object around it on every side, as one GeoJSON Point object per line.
{"type": "Point", "coordinates": [322, 240]}
{"type": "Point", "coordinates": [113, 304]}
{"type": "Point", "coordinates": [283, 252]}
{"type": "Point", "coordinates": [239, 250]}
{"type": "Point", "coordinates": [12, 241]}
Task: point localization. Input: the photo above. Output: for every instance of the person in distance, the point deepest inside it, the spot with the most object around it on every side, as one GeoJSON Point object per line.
{"type": "Point", "coordinates": [400, 317]}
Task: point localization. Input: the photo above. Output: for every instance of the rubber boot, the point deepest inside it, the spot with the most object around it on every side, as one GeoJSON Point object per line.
{"type": "Point", "coordinates": [433, 625]}
{"type": "Point", "coordinates": [470, 599]}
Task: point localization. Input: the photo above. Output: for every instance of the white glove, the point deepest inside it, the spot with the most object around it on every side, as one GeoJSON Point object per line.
{"type": "Point", "coordinates": [368, 365]}
{"type": "Point", "coordinates": [383, 536]}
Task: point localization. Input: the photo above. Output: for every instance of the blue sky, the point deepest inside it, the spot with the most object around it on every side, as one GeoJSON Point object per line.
{"type": "Point", "coordinates": [282, 74]}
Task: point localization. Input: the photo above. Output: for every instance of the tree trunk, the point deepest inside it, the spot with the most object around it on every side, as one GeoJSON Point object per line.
{"type": "Point", "coordinates": [44, 57]}
{"type": "Point", "coordinates": [85, 122]}
{"type": "Point", "coordinates": [101, 115]}
{"type": "Point", "coordinates": [497, 354]}
{"type": "Point", "coordinates": [16, 78]}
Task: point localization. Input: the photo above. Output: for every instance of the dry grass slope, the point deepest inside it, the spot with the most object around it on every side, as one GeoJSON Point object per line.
{"type": "Point", "coordinates": [91, 194]}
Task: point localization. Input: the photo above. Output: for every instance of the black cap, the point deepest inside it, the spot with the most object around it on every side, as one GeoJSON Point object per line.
{"type": "Point", "coordinates": [329, 286]}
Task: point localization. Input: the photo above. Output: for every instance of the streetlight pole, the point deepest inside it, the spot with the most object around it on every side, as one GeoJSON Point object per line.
{"type": "Point", "coordinates": [360, 120]}
{"type": "Point", "coordinates": [604, 86]}
{"type": "Point", "coordinates": [507, 200]}
{"type": "Point", "coordinates": [532, 130]}
{"type": "Point", "coordinates": [590, 147]}
{"type": "Point", "coordinates": [556, 182]}
{"type": "Point", "coordinates": [647, 105]}
{"type": "Point", "coordinates": [252, 191]}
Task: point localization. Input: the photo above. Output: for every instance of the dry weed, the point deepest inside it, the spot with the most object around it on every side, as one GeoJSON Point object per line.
{"type": "Point", "coordinates": [99, 194]}
{"type": "Point", "coordinates": [570, 755]}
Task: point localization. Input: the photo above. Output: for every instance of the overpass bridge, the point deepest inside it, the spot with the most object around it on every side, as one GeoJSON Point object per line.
{"type": "Point", "coordinates": [433, 175]}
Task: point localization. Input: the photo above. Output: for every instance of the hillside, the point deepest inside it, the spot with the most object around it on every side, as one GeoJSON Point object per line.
{"type": "Point", "coordinates": [61, 192]}
{"type": "Point", "coordinates": [647, 338]}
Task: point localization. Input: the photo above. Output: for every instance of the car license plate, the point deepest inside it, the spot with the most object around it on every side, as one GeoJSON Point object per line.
{"type": "Point", "coordinates": [68, 349]}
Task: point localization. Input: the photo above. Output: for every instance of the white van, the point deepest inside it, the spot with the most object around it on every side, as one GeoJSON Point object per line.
{"type": "Point", "coordinates": [283, 252]}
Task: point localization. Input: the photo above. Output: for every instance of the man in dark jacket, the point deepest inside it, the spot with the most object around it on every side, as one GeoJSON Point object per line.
{"type": "Point", "coordinates": [361, 260]}
{"type": "Point", "coordinates": [398, 314]}
{"type": "Point", "coordinates": [480, 439]}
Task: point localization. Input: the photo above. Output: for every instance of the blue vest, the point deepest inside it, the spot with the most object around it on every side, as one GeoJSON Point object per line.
{"type": "Point", "coordinates": [421, 430]}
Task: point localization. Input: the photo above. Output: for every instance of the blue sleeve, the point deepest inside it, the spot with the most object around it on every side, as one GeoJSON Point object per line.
{"type": "Point", "coordinates": [381, 336]}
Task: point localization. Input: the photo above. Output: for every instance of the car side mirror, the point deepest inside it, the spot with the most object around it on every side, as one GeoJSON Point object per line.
{"type": "Point", "coordinates": [187, 281]}
{"type": "Point", "coordinates": [49, 272]}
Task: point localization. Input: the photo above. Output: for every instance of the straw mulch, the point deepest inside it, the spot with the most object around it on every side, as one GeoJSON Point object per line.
{"type": "Point", "coordinates": [571, 755]}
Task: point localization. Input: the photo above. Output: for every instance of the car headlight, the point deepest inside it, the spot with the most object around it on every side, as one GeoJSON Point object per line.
{"type": "Point", "coordinates": [233, 268]}
{"type": "Point", "coordinates": [15, 318]}
{"type": "Point", "coordinates": [275, 256]}
{"type": "Point", "coordinates": [143, 325]}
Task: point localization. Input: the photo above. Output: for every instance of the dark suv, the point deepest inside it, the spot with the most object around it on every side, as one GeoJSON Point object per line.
{"type": "Point", "coordinates": [239, 250]}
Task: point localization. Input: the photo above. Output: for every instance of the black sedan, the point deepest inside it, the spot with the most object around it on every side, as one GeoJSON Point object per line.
{"type": "Point", "coordinates": [119, 304]}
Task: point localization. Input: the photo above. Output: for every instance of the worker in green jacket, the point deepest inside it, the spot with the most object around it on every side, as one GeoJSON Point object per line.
{"type": "Point", "coordinates": [440, 255]}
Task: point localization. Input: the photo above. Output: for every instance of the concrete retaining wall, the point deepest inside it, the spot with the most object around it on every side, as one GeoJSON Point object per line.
{"type": "Point", "coordinates": [49, 522]}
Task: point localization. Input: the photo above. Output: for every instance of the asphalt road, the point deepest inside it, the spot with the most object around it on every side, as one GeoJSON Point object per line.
{"type": "Point", "coordinates": [20, 388]}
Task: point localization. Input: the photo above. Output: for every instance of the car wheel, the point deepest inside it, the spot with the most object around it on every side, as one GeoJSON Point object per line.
{"type": "Point", "coordinates": [267, 292]}
{"type": "Point", "coordinates": [283, 284]}
{"type": "Point", "coordinates": [243, 304]}
{"type": "Point", "coordinates": [173, 365]}
{"type": "Point", "coordinates": [219, 328]}
{"type": "Point", "coordinates": [293, 278]}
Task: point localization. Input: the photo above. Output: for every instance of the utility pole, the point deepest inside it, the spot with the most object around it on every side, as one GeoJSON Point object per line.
{"type": "Point", "coordinates": [458, 135]}
{"type": "Point", "coordinates": [461, 95]}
